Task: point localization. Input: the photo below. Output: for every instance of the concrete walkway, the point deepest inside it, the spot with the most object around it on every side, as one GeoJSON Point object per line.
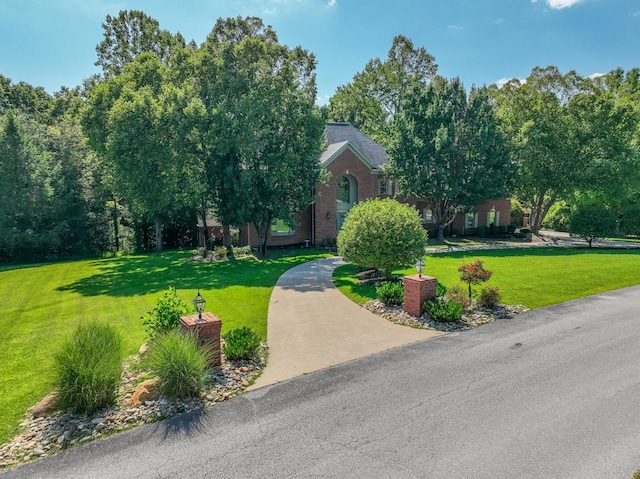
{"type": "Point", "coordinates": [312, 325]}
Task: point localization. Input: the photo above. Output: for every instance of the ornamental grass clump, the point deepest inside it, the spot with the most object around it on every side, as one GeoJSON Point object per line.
{"type": "Point", "coordinates": [180, 364]}
{"type": "Point", "coordinates": [391, 294]}
{"type": "Point", "coordinates": [88, 368]}
{"type": "Point", "coordinates": [241, 343]}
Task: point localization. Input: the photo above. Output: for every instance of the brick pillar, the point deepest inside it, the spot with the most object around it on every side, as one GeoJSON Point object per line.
{"type": "Point", "coordinates": [207, 331]}
{"type": "Point", "coordinates": [416, 291]}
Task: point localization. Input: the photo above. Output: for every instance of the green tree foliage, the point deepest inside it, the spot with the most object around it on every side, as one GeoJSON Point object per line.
{"type": "Point", "coordinates": [447, 149]}
{"type": "Point", "coordinates": [263, 135]}
{"type": "Point", "coordinates": [592, 222]}
{"type": "Point", "coordinates": [474, 273]}
{"type": "Point", "coordinates": [375, 95]}
{"type": "Point", "coordinates": [128, 35]}
{"type": "Point", "coordinates": [382, 234]}
{"type": "Point", "coordinates": [630, 223]}
{"type": "Point", "coordinates": [166, 315]}
{"type": "Point", "coordinates": [567, 135]}
{"type": "Point", "coordinates": [137, 123]}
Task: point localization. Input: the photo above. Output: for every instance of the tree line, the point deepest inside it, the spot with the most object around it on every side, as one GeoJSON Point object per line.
{"type": "Point", "coordinates": [171, 129]}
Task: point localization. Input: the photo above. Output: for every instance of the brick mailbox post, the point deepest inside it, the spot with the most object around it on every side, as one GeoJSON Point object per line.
{"type": "Point", "coordinates": [418, 289]}
{"type": "Point", "coordinates": [207, 330]}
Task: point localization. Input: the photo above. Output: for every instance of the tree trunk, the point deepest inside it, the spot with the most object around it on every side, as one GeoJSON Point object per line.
{"type": "Point", "coordinates": [158, 234]}
{"type": "Point", "coordinates": [263, 236]}
{"type": "Point", "coordinates": [202, 212]}
{"type": "Point", "coordinates": [116, 231]}
{"type": "Point", "coordinates": [226, 236]}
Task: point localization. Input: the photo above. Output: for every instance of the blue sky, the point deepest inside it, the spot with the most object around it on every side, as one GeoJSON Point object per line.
{"type": "Point", "coordinates": [51, 43]}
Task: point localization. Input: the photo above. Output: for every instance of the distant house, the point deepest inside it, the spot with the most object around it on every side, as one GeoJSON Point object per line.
{"type": "Point", "coordinates": [356, 163]}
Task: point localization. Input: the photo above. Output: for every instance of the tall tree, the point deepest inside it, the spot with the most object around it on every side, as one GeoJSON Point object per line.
{"type": "Point", "coordinates": [567, 136]}
{"type": "Point", "coordinates": [448, 149]}
{"type": "Point", "coordinates": [137, 122]}
{"type": "Point", "coordinates": [262, 134]}
{"type": "Point", "coordinates": [375, 95]}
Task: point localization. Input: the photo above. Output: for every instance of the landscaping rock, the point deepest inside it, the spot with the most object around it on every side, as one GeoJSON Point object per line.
{"type": "Point", "coordinates": [145, 391]}
{"type": "Point", "coordinates": [46, 406]}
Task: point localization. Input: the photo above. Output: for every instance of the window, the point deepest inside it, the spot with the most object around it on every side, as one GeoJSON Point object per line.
{"type": "Point", "coordinates": [281, 228]}
{"type": "Point", "coordinates": [491, 217]}
{"type": "Point", "coordinates": [427, 215]}
{"type": "Point", "coordinates": [470, 220]}
{"type": "Point", "coordinates": [383, 186]}
{"type": "Point", "coordinates": [343, 190]}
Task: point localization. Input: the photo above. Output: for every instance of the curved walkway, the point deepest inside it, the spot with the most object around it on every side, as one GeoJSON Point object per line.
{"type": "Point", "coordinates": [312, 325]}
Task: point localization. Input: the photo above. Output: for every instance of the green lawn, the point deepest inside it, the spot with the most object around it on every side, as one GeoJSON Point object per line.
{"type": "Point", "coordinates": [41, 304]}
{"type": "Point", "coordinates": [534, 277]}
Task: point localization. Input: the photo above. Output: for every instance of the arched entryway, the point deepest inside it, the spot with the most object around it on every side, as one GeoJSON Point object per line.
{"type": "Point", "coordinates": [346, 196]}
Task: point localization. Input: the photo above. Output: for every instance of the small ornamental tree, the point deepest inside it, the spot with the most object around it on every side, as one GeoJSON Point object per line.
{"type": "Point", "coordinates": [592, 222]}
{"type": "Point", "coordinates": [474, 273]}
{"type": "Point", "coordinates": [382, 234]}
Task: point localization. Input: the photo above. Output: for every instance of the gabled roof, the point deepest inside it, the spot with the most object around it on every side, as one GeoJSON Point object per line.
{"type": "Point", "coordinates": [344, 135]}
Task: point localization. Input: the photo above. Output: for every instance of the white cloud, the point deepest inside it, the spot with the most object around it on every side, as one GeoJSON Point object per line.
{"type": "Point", "coordinates": [559, 4]}
{"type": "Point", "coordinates": [596, 75]}
{"type": "Point", "coordinates": [499, 21]}
{"type": "Point", "coordinates": [331, 3]}
{"type": "Point", "coordinates": [636, 14]}
{"type": "Point", "coordinates": [503, 81]}
{"type": "Point", "coordinates": [455, 27]}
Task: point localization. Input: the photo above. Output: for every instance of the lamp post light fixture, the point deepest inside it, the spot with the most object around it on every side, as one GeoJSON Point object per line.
{"type": "Point", "coordinates": [420, 267]}
{"type": "Point", "coordinates": [198, 303]}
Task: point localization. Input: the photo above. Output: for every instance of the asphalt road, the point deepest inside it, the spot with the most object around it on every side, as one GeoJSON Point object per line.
{"type": "Point", "coordinates": [554, 393]}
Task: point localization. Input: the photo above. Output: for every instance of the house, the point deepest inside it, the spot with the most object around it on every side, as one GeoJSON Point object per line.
{"type": "Point", "coordinates": [356, 163]}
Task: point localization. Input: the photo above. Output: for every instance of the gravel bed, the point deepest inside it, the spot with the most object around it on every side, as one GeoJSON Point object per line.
{"type": "Point", "coordinates": [44, 436]}
{"type": "Point", "coordinates": [471, 318]}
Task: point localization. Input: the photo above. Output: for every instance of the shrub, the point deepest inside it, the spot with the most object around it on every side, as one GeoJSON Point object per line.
{"type": "Point", "coordinates": [525, 230]}
{"type": "Point", "coordinates": [220, 252]}
{"type": "Point", "coordinates": [493, 230]}
{"type": "Point", "coordinates": [166, 315]}
{"type": "Point", "coordinates": [242, 250]}
{"type": "Point", "coordinates": [443, 310]}
{"type": "Point", "coordinates": [441, 290]}
{"type": "Point", "coordinates": [179, 363]}
{"type": "Point", "coordinates": [481, 232]}
{"type": "Point", "coordinates": [511, 229]}
{"type": "Point", "coordinates": [630, 223]}
{"type": "Point", "coordinates": [456, 294]}
{"type": "Point", "coordinates": [88, 368]}
{"type": "Point", "coordinates": [391, 294]}
{"type": "Point", "coordinates": [592, 222]}
{"type": "Point", "coordinates": [489, 297]}
{"type": "Point", "coordinates": [382, 234]}
{"type": "Point", "coordinates": [502, 229]}
{"type": "Point", "coordinates": [474, 273]}
{"type": "Point", "coordinates": [242, 343]}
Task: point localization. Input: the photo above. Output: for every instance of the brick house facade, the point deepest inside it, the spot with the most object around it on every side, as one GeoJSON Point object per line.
{"type": "Point", "coordinates": [356, 164]}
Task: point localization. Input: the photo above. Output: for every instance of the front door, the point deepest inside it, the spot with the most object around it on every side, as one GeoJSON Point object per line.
{"type": "Point", "coordinates": [346, 197]}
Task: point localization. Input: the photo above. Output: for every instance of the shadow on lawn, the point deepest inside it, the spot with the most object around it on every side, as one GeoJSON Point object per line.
{"type": "Point", "coordinates": [140, 275]}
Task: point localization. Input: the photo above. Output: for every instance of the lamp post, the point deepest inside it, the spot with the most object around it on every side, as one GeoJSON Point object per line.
{"type": "Point", "coordinates": [420, 267]}
{"type": "Point", "coordinates": [198, 303]}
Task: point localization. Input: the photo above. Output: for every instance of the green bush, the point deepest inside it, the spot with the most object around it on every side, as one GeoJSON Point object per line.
{"type": "Point", "coordinates": [481, 231]}
{"type": "Point", "coordinates": [242, 343]}
{"type": "Point", "coordinates": [525, 230]}
{"type": "Point", "coordinates": [441, 290]}
{"type": "Point", "coordinates": [443, 310]}
{"type": "Point", "coordinates": [166, 315]}
{"type": "Point", "coordinates": [502, 229]}
{"type": "Point", "coordinates": [592, 222]}
{"type": "Point", "coordinates": [630, 223]}
{"type": "Point", "coordinates": [88, 368]}
{"type": "Point", "coordinates": [179, 363]}
{"type": "Point", "coordinates": [493, 230]}
{"type": "Point", "coordinates": [220, 252]}
{"type": "Point", "coordinates": [391, 294]}
{"type": "Point", "coordinates": [382, 234]}
{"type": "Point", "coordinates": [511, 229]}
{"type": "Point", "coordinates": [489, 297]}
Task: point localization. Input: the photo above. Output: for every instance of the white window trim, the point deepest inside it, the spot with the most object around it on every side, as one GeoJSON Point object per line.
{"type": "Point", "coordinates": [424, 216]}
{"type": "Point", "coordinates": [383, 182]}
